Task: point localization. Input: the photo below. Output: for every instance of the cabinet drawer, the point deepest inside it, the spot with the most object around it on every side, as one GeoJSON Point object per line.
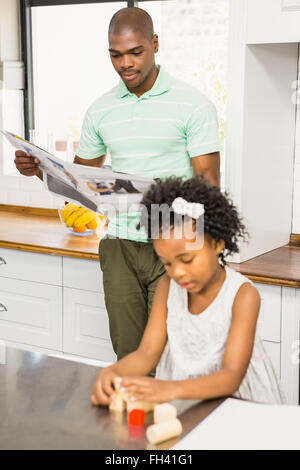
{"type": "Point", "coordinates": [269, 320]}
{"type": "Point", "coordinates": [273, 351]}
{"type": "Point", "coordinates": [82, 274]}
{"type": "Point", "coordinates": [86, 329]}
{"type": "Point", "coordinates": [31, 313]}
{"type": "Point", "coordinates": [35, 267]}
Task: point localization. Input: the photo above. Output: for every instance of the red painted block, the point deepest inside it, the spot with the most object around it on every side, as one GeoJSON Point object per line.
{"type": "Point", "coordinates": [136, 417]}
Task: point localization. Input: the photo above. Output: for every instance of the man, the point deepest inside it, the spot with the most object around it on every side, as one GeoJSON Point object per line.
{"type": "Point", "coordinates": [152, 125]}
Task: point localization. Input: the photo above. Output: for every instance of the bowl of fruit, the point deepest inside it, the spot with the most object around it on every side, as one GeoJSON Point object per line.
{"type": "Point", "coordinates": [80, 221]}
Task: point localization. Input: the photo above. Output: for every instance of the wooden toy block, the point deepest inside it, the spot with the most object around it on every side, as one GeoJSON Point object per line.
{"type": "Point", "coordinates": [117, 403]}
{"type": "Point", "coordinates": [117, 383]}
{"type": "Point", "coordinates": [140, 405]}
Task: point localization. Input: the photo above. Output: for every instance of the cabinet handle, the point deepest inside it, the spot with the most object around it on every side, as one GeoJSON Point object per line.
{"type": "Point", "coordinates": [3, 308]}
{"type": "Point", "coordinates": [2, 261]}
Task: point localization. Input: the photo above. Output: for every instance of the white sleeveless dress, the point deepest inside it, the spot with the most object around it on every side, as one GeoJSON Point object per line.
{"type": "Point", "coordinates": [196, 343]}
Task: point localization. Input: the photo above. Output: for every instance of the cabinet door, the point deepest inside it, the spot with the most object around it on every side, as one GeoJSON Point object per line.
{"type": "Point", "coordinates": [82, 274]}
{"type": "Point", "coordinates": [36, 267]}
{"type": "Point", "coordinates": [86, 329]}
{"type": "Point", "coordinates": [269, 321]}
{"type": "Point", "coordinates": [273, 351]}
{"type": "Point", "coordinates": [31, 313]}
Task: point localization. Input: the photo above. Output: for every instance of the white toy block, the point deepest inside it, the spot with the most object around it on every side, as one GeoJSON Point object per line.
{"type": "Point", "coordinates": [157, 433]}
{"type": "Point", "coordinates": [164, 412]}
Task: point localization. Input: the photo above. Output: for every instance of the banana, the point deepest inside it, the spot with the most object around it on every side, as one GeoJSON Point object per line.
{"type": "Point", "coordinates": [67, 210]}
{"type": "Point", "coordinates": [73, 216]}
{"type": "Point", "coordinates": [84, 218]}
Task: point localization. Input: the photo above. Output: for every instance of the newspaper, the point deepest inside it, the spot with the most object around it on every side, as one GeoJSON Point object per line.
{"type": "Point", "coordinates": [98, 189]}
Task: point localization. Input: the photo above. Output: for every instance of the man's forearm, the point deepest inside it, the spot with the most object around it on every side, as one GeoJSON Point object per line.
{"type": "Point", "coordinates": [96, 162]}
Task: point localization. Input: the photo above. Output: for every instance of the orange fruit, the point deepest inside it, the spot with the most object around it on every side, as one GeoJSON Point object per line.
{"type": "Point", "coordinates": [93, 224]}
{"type": "Point", "coordinates": [80, 229]}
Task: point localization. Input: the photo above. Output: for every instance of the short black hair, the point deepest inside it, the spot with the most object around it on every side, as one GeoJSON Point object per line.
{"type": "Point", "coordinates": [221, 219]}
{"type": "Point", "coordinates": [133, 19]}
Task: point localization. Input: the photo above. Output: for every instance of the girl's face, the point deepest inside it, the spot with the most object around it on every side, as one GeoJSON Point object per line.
{"type": "Point", "coordinates": [193, 269]}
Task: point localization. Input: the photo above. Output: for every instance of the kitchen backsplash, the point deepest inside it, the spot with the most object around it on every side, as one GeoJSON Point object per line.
{"type": "Point", "coordinates": [26, 192]}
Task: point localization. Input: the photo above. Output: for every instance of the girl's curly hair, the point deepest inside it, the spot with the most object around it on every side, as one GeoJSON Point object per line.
{"type": "Point", "coordinates": [221, 219]}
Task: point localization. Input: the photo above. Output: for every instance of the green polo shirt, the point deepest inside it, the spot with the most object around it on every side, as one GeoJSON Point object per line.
{"type": "Point", "coordinates": [155, 135]}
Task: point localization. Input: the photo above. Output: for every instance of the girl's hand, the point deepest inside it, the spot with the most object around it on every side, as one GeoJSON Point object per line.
{"type": "Point", "coordinates": [103, 387]}
{"type": "Point", "coordinates": [149, 389]}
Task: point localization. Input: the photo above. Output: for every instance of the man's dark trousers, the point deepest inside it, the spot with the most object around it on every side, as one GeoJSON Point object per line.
{"type": "Point", "coordinates": [131, 272]}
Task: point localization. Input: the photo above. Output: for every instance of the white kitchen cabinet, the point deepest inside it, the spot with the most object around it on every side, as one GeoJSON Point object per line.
{"type": "Point", "coordinates": [273, 350]}
{"type": "Point", "coordinates": [31, 313]}
{"type": "Point", "coordinates": [260, 121]}
{"type": "Point", "coordinates": [86, 329]}
{"type": "Point", "coordinates": [290, 345]}
{"type": "Point", "coordinates": [272, 21]}
{"type": "Point", "coordinates": [56, 305]}
{"type": "Point", "coordinates": [279, 327]}
{"type": "Point", "coordinates": [82, 274]}
{"type": "Point", "coordinates": [35, 267]}
{"type": "Point", "coordinates": [269, 321]}
{"type": "Point", "coordinates": [31, 348]}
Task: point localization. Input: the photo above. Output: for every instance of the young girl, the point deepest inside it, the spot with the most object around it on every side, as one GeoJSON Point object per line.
{"type": "Point", "coordinates": [201, 335]}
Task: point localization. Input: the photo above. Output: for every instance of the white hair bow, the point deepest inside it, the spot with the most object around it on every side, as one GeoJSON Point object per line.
{"type": "Point", "coordinates": [183, 207]}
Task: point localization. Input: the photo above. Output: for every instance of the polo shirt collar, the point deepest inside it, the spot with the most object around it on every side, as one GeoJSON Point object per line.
{"type": "Point", "coordinates": [162, 84]}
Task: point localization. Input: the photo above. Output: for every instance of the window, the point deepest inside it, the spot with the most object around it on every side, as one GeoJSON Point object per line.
{"type": "Point", "coordinates": [68, 70]}
{"type": "Point", "coordinates": [71, 68]}
{"type": "Point", "coordinates": [196, 33]}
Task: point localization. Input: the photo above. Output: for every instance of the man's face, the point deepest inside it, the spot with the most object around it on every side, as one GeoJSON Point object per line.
{"type": "Point", "coordinates": [132, 56]}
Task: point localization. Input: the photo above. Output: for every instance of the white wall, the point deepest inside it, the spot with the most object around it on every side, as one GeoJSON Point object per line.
{"type": "Point", "coordinates": [296, 201]}
{"type": "Point", "coordinates": [9, 33]}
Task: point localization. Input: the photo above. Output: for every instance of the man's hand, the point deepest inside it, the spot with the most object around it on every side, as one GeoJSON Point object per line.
{"type": "Point", "coordinates": [103, 388]}
{"type": "Point", "coordinates": [149, 389]}
{"type": "Point", "coordinates": [27, 165]}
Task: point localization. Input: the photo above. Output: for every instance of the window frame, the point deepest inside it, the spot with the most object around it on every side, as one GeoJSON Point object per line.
{"type": "Point", "coordinates": [26, 48]}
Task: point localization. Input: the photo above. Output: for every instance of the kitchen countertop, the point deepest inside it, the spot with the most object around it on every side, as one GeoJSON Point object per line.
{"type": "Point", "coordinates": [45, 404]}
{"type": "Point", "coordinates": [45, 234]}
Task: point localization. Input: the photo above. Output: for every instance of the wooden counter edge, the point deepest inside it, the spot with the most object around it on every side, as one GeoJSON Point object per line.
{"type": "Point", "coordinates": [49, 250]}
{"type": "Point", "coordinates": [295, 240]}
{"type": "Point", "coordinates": [95, 257]}
{"type": "Point", "coordinates": [271, 280]}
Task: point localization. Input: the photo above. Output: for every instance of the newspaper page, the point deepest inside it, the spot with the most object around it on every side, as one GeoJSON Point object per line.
{"type": "Point", "coordinates": [98, 189]}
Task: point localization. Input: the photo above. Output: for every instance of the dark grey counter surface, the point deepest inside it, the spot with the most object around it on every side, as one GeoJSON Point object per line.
{"type": "Point", "coordinates": [45, 404]}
